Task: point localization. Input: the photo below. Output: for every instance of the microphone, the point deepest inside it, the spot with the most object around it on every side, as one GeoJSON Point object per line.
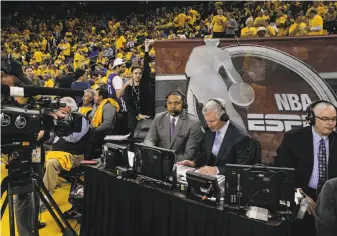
{"type": "Point", "coordinates": [28, 91]}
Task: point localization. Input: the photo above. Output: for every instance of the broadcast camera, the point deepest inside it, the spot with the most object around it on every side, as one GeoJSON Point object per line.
{"type": "Point", "coordinates": [21, 124]}
{"type": "Point", "coordinates": [24, 123]}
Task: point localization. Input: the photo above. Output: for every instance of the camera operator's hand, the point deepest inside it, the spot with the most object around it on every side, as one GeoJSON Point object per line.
{"type": "Point", "coordinates": [40, 135]}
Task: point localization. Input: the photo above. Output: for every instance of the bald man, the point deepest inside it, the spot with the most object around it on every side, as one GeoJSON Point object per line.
{"type": "Point", "coordinates": [312, 152]}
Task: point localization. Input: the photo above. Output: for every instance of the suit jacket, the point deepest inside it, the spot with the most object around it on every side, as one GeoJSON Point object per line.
{"type": "Point", "coordinates": [235, 149]}
{"type": "Point", "coordinates": [186, 139]}
{"type": "Point", "coordinates": [297, 151]}
{"type": "Point", "coordinates": [326, 209]}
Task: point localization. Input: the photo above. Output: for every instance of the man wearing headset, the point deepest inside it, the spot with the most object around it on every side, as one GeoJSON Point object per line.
{"type": "Point", "coordinates": [312, 152]}
{"type": "Point", "coordinates": [175, 129]}
{"type": "Point", "coordinates": [224, 142]}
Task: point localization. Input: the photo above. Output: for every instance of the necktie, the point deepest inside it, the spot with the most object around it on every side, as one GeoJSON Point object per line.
{"type": "Point", "coordinates": [322, 165]}
{"type": "Point", "coordinates": [217, 143]}
{"type": "Point", "coordinates": [173, 126]}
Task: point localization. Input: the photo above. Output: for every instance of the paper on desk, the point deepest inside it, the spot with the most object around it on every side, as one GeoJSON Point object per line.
{"type": "Point", "coordinates": [117, 137]}
{"type": "Point", "coordinates": [181, 170]}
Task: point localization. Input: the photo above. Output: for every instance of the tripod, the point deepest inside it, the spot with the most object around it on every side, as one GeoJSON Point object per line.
{"type": "Point", "coordinates": [29, 182]}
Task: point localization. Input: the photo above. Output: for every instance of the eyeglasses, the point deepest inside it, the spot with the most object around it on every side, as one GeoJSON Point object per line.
{"type": "Point", "coordinates": [326, 119]}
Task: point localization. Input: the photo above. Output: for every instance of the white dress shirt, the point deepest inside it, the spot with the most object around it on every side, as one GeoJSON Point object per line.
{"type": "Point", "coordinates": [176, 121]}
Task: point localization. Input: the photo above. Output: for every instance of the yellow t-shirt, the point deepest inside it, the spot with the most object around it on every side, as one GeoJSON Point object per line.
{"type": "Point", "coordinates": [49, 83]}
{"type": "Point", "coordinates": [195, 14]}
{"type": "Point", "coordinates": [77, 60]}
{"type": "Point", "coordinates": [120, 42]}
{"type": "Point", "coordinates": [38, 56]}
{"type": "Point", "coordinates": [66, 51]}
{"type": "Point", "coordinates": [302, 29]}
{"type": "Point", "coordinates": [181, 19]}
{"type": "Point", "coordinates": [248, 32]}
{"type": "Point", "coordinates": [257, 19]}
{"type": "Point", "coordinates": [219, 23]}
{"type": "Point", "coordinates": [315, 22]}
{"type": "Point", "coordinates": [45, 71]}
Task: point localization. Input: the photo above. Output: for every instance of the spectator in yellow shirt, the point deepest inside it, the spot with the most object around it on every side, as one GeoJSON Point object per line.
{"type": "Point", "coordinates": [48, 81]}
{"type": "Point", "coordinates": [37, 71]}
{"type": "Point", "coordinates": [319, 9]}
{"type": "Point", "coordinates": [299, 28]}
{"type": "Point", "coordinates": [219, 24]}
{"type": "Point", "coordinates": [120, 40]}
{"type": "Point", "coordinates": [315, 26]}
{"type": "Point", "coordinates": [249, 31]}
{"type": "Point", "coordinates": [280, 23]}
{"type": "Point", "coordinates": [260, 17]}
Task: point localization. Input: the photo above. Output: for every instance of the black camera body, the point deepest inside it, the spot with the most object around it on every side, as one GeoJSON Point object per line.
{"type": "Point", "coordinates": [17, 123]}
{"type": "Point", "coordinates": [23, 124]}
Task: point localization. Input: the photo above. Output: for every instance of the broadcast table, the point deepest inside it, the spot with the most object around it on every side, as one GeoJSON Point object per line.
{"type": "Point", "coordinates": [115, 206]}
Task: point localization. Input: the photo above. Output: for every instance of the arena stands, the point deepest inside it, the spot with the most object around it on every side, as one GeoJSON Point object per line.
{"type": "Point", "coordinates": [78, 36]}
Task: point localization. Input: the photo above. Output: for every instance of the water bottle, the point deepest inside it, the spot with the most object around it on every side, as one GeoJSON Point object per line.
{"type": "Point", "coordinates": [304, 205]}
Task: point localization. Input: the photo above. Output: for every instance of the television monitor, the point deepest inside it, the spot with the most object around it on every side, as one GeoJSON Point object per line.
{"type": "Point", "coordinates": [115, 155]}
{"type": "Point", "coordinates": [272, 188]}
{"type": "Point", "coordinates": [203, 188]}
{"type": "Point", "coordinates": [154, 162]}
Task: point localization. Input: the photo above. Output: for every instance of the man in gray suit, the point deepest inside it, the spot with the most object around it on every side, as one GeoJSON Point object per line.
{"type": "Point", "coordinates": [326, 209]}
{"type": "Point", "coordinates": [224, 142]}
{"type": "Point", "coordinates": [175, 129]}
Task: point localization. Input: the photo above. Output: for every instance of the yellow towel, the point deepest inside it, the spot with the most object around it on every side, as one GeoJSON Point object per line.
{"type": "Point", "coordinates": [64, 158]}
{"type": "Point", "coordinates": [85, 110]}
{"type": "Point", "coordinates": [98, 117]}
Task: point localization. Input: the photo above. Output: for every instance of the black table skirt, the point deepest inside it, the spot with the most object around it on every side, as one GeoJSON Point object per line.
{"type": "Point", "coordinates": [119, 207]}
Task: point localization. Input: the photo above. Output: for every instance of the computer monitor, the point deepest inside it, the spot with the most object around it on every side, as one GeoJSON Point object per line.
{"type": "Point", "coordinates": [272, 188]}
{"type": "Point", "coordinates": [115, 155]}
{"type": "Point", "coordinates": [203, 188]}
{"type": "Point", "coordinates": [154, 162]}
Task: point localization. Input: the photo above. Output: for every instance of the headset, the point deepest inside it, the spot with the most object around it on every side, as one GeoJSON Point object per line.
{"type": "Point", "coordinates": [224, 117]}
{"type": "Point", "coordinates": [310, 111]}
{"type": "Point", "coordinates": [182, 96]}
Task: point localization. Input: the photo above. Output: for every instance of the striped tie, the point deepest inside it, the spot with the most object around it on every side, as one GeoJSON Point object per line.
{"type": "Point", "coordinates": [322, 165]}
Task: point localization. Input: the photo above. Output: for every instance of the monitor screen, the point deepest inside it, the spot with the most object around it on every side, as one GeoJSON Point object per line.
{"type": "Point", "coordinates": [155, 162]}
{"type": "Point", "coordinates": [115, 155]}
{"type": "Point", "coordinates": [272, 188]}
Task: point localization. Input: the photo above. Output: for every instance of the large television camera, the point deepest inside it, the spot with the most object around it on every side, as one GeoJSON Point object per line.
{"type": "Point", "coordinates": [22, 124]}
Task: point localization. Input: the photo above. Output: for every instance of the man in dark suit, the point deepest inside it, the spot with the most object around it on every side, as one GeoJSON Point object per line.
{"type": "Point", "coordinates": [326, 209]}
{"type": "Point", "coordinates": [224, 142]}
{"type": "Point", "coordinates": [175, 129]}
{"type": "Point", "coordinates": [312, 152]}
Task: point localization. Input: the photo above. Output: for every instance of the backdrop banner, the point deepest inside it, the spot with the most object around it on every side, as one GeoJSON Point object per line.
{"type": "Point", "coordinates": [267, 83]}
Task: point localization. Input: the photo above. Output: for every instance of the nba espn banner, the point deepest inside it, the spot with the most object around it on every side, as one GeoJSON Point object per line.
{"type": "Point", "coordinates": [267, 83]}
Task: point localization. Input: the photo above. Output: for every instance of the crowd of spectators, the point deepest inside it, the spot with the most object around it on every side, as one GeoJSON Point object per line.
{"type": "Point", "coordinates": [52, 48]}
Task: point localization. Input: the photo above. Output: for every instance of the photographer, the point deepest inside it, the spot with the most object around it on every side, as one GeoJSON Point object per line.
{"type": "Point", "coordinates": [66, 152]}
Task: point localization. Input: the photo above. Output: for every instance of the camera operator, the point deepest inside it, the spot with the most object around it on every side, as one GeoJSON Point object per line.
{"type": "Point", "coordinates": [12, 75]}
{"type": "Point", "coordinates": [73, 144]}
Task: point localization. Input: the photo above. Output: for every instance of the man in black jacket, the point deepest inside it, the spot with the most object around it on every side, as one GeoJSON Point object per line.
{"type": "Point", "coordinates": [312, 152]}
{"type": "Point", "coordinates": [224, 143]}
